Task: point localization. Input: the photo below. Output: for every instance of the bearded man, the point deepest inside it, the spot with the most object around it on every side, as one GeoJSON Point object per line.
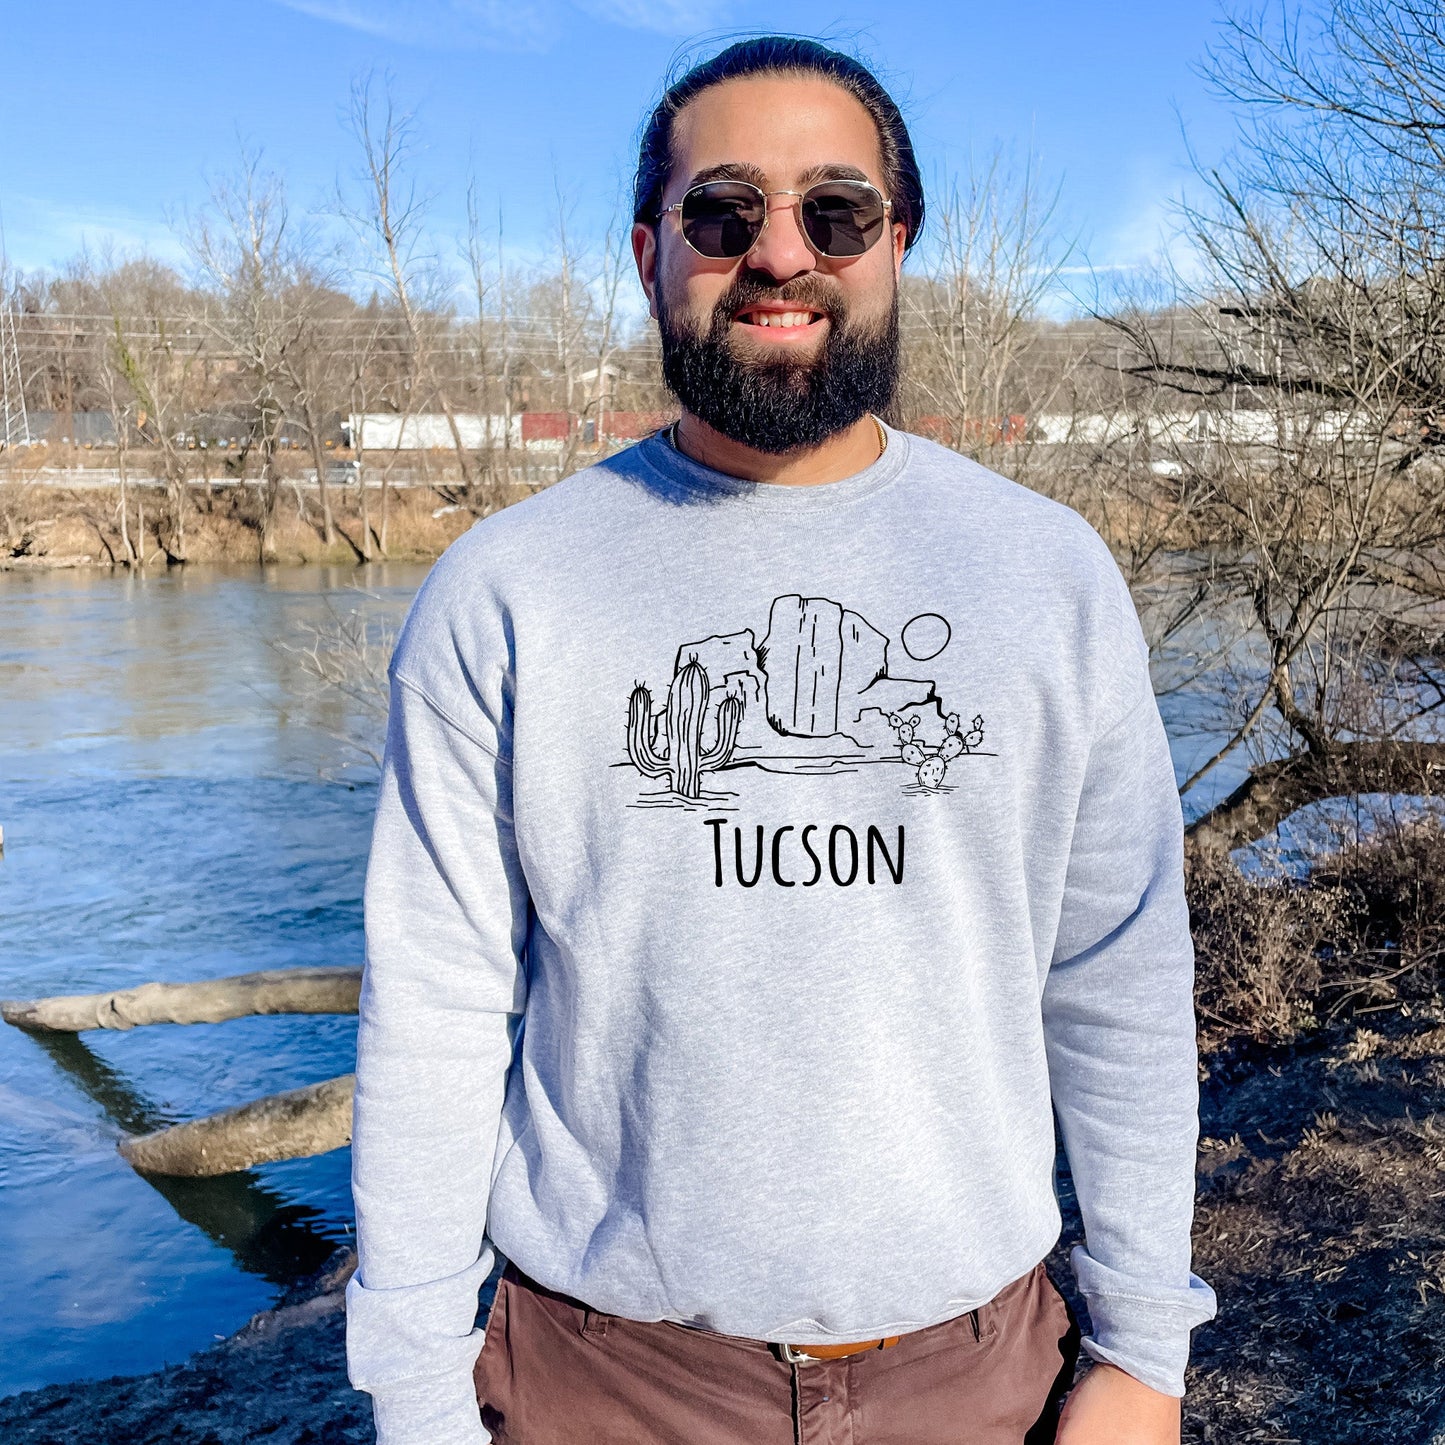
{"type": "Point", "coordinates": [768, 1144]}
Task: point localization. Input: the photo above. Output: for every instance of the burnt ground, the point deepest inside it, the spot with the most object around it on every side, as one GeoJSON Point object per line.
{"type": "Point", "coordinates": [1320, 1222]}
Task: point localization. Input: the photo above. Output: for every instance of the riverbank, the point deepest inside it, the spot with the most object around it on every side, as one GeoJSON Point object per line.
{"type": "Point", "coordinates": [44, 526]}
{"type": "Point", "coordinates": [67, 513]}
{"type": "Point", "coordinates": [1319, 1223]}
{"type": "Point", "coordinates": [281, 1378]}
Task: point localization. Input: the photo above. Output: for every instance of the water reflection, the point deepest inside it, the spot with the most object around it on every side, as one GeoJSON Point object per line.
{"type": "Point", "coordinates": [177, 671]}
{"type": "Point", "coordinates": [265, 1235]}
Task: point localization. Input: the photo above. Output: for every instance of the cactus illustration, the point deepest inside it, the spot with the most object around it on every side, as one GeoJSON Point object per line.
{"type": "Point", "coordinates": [684, 761]}
{"type": "Point", "coordinates": [931, 771]}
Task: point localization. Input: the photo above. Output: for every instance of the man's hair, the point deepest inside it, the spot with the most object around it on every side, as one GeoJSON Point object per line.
{"type": "Point", "coordinates": [782, 55]}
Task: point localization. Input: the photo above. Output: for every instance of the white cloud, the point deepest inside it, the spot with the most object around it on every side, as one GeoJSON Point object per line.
{"type": "Point", "coordinates": [42, 234]}
{"type": "Point", "coordinates": [521, 25]}
{"type": "Point", "coordinates": [1136, 255]}
{"type": "Point", "coordinates": [502, 24]}
{"type": "Point", "coordinates": [670, 17]}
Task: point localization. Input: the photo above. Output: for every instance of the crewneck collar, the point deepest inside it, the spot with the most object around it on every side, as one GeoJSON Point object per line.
{"type": "Point", "coordinates": [676, 466]}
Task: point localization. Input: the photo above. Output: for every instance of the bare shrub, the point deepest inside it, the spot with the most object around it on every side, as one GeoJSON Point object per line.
{"type": "Point", "coordinates": [345, 659]}
{"type": "Point", "coordinates": [1257, 950]}
{"type": "Point", "coordinates": [1362, 931]}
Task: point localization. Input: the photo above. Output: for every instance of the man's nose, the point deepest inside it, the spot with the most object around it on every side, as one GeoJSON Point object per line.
{"type": "Point", "coordinates": [781, 250]}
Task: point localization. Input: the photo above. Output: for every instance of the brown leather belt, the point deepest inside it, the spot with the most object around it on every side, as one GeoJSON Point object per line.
{"type": "Point", "coordinates": [804, 1354]}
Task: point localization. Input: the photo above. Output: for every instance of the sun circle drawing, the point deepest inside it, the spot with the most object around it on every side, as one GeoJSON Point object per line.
{"type": "Point", "coordinates": [925, 636]}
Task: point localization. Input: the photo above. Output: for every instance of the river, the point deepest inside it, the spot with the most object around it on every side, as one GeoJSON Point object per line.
{"type": "Point", "coordinates": [175, 805]}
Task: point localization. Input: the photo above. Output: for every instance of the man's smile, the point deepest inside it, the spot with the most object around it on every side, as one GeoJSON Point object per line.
{"type": "Point", "coordinates": [780, 321]}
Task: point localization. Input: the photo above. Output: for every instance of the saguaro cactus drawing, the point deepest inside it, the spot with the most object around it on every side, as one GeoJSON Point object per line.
{"type": "Point", "coordinates": [685, 760]}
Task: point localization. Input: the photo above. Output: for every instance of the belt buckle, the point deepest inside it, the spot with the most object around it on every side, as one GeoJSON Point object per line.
{"type": "Point", "coordinates": [797, 1357]}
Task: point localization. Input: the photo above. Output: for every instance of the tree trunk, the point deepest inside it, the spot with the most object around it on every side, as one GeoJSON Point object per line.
{"type": "Point", "coordinates": [297, 1123]}
{"type": "Point", "coordinates": [272, 991]}
{"type": "Point", "coordinates": [124, 501]}
{"type": "Point", "coordinates": [366, 543]}
{"type": "Point", "coordinates": [318, 455]}
{"type": "Point", "coordinates": [1275, 790]}
{"type": "Point", "coordinates": [270, 487]}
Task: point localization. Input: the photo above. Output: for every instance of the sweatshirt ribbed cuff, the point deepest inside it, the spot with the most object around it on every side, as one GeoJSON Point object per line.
{"type": "Point", "coordinates": [1144, 1334]}
{"type": "Point", "coordinates": [428, 1410]}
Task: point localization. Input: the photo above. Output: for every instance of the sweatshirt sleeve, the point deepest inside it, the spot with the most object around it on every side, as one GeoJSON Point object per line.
{"type": "Point", "coordinates": [1120, 1036]}
{"type": "Point", "coordinates": [446, 911]}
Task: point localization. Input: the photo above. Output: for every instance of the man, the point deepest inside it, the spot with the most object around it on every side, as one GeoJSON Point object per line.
{"type": "Point", "coordinates": [776, 821]}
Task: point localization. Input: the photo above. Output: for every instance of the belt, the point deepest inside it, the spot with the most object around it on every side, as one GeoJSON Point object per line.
{"type": "Point", "coordinates": [810, 1354]}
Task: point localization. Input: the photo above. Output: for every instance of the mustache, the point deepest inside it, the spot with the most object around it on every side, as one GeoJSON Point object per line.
{"type": "Point", "coordinates": [811, 292]}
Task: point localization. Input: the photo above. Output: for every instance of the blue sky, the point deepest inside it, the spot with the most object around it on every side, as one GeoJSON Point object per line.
{"type": "Point", "coordinates": [114, 115]}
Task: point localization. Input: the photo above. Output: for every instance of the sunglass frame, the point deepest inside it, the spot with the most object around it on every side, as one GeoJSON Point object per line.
{"type": "Point", "coordinates": [765, 197]}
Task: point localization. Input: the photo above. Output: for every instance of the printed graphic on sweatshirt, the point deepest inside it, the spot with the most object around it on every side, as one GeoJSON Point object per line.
{"type": "Point", "coordinates": [824, 692]}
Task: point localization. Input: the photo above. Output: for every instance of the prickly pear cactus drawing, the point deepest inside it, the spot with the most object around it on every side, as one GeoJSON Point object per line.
{"type": "Point", "coordinates": [969, 741]}
{"type": "Point", "coordinates": [684, 761]}
{"type": "Point", "coordinates": [931, 771]}
{"type": "Point", "coordinates": [932, 764]}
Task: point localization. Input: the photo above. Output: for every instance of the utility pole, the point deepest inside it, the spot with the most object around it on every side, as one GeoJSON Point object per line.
{"type": "Point", "coordinates": [14, 421]}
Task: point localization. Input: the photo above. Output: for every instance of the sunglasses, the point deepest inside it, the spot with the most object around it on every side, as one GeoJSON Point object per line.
{"type": "Point", "coordinates": [723, 219]}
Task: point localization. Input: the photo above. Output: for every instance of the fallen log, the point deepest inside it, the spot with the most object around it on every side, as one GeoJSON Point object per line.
{"type": "Point", "coordinates": [272, 991]}
{"type": "Point", "coordinates": [1274, 790]}
{"type": "Point", "coordinates": [297, 1123]}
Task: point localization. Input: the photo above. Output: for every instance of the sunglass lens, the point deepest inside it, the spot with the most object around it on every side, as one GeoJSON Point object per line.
{"type": "Point", "coordinates": [841, 219]}
{"type": "Point", "coordinates": [722, 218]}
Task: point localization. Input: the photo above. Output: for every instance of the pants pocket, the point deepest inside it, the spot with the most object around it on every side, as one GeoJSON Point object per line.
{"type": "Point", "coordinates": [490, 1373]}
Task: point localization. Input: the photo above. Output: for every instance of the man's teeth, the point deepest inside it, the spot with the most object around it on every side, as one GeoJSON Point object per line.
{"type": "Point", "coordinates": [780, 318]}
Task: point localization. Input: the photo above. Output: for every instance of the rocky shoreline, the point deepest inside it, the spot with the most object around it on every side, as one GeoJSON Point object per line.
{"type": "Point", "coordinates": [1318, 1221]}
{"type": "Point", "coordinates": [280, 1378]}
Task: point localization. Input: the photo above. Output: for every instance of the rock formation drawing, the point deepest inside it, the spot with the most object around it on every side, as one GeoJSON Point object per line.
{"type": "Point", "coordinates": [816, 695]}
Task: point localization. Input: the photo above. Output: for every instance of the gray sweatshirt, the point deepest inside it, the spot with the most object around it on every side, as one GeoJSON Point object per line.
{"type": "Point", "coordinates": [753, 867]}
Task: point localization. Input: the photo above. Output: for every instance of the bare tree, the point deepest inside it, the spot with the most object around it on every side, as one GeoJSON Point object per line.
{"type": "Point", "coordinates": [492, 358]}
{"type": "Point", "coordinates": [972, 315]}
{"type": "Point", "coordinates": [572, 311]}
{"type": "Point", "coordinates": [318, 372]}
{"type": "Point", "coordinates": [146, 367]}
{"type": "Point", "coordinates": [345, 659]}
{"type": "Point", "coordinates": [1316, 366]}
{"type": "Point", "coordinates": [243, 248]}
{"type": "Point", "coordinates": [389, 218]}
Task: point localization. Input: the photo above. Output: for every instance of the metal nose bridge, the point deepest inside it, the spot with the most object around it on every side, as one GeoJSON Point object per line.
{"type": "Point", "coordinates": [794, 205]}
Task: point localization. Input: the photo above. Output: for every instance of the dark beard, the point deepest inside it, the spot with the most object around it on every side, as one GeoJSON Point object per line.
{"type": "Point", "coordinates": [784, 405]}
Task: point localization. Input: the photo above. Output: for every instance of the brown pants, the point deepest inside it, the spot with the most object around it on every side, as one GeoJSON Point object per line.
{"type": "Point", "coordinates": [554, 1372]}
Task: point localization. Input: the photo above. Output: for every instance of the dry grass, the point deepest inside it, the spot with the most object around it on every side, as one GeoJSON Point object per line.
{"type": "Point", "coordinates": [1320, 1217]}
{"type": "Point", "coordinates": [1279, 958]}
{"type": "Point", "coordinates": [1320, 1223]}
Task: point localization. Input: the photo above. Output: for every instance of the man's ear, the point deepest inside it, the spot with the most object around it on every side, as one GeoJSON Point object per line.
{"type": "Point", "coordinates": [900, 245]}
{"type": "Point", "coordinates": [644, 252]}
